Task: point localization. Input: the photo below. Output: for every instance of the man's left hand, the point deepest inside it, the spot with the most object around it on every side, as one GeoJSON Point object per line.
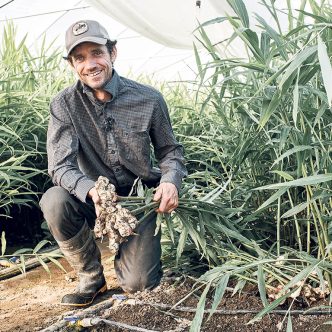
{"type": "Point", "coordinates": [167, 194]}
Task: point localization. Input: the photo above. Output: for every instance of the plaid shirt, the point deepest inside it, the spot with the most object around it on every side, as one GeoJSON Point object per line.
{"type": "Point", "coordinates": [87, 138]}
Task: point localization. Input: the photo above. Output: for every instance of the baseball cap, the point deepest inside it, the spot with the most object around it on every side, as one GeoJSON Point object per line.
{"type": "Point", "coordinates": [85, 31]}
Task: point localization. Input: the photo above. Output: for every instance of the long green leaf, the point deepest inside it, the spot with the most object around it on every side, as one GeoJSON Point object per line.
{"type": "Point", "coordinates": [181, 244]}
{"type": "Point", "coordinates": [40, 245]}
{"type": "Point", "coordinates": [43, 264]}
{"type": "Point", "coordinates": [295, 210]}
{"type": "Point", "coordinates": [296, 63]}
{"type": "Point", "coordinates": [289, 324]}
{"type": "Point", "coordinates": [271, 306]}
{"type": "Point", "coordinates": [58, 264]}
{"type": "Point", "coordinates": [23, 266]}
{"type": "Point", "coordinates": [219, 293]}
{"type": "Point", "coordinates": [292, 151]}
{"type": "Point", "coordinates": [197, 321]}
{"type": "Point", "coordinates": [283, 174]}
{"type": "Point", "coordinates": [266, 114]}
{"type": "Point", "coordinates": [296, 99]}
{"type": "Point", "coordinates": [326, 68]}
{"type": "Point", "coordinates": [272, 198]}
{"type": "Point", "coordinates": [240, 10]}
{"type": "Point", "coordinates": [261, 285]}
{"type": "Point", "coordinates": [3, 243]}
{"type": "Point", "coordinates": [302, 182]}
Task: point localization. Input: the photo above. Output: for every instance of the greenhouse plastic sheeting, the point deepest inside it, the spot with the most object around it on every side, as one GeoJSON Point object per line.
{"type": "Point", "coordinates": [168, 22]}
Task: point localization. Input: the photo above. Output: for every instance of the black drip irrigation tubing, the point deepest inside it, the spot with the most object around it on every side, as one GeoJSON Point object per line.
{"type": "Point", "coordinates": [81, 316]}
{"type": "Point", "coordinates": [12, 271]}
{"type": "Point", "coordinates": [236, 312]}
{"type": "Point", "coordinates": [85, 313]}
{"type": "Point", "coordinates": [78, 314]}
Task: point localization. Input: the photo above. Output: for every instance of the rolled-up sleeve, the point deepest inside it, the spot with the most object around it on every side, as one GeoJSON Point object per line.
{"type": "Point", "coordinates": [62, 151]}
{"type": "Point", "coordinates": [168, 151]}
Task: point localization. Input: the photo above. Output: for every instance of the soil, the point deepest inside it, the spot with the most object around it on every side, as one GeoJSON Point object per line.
{"type": "Point", "coordinates": [30, 302]}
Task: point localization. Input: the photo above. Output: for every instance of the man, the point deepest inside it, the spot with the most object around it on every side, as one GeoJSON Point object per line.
{"type": "Point", "coordinates": [103, 125]}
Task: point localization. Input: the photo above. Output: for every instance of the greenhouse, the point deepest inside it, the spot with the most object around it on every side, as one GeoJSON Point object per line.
{"type": "Point", "coordinates": [166, 165]}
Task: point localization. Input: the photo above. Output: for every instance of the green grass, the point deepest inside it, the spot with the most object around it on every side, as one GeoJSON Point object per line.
{"type": "Point", "coordinates": [28, 81]}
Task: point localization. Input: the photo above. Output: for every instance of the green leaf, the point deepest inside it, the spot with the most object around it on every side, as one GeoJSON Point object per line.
{"type": "Point", "coordinates": [284, 175]}
{"type": "Point", "coordinates": [3, 243]}
{"type": "Point", "coordinates": [197, 321]}
{"type": "Point", "coordinates": [240, 10]}
{"type": "Point", "coordinates": [22, 251]}
{"type": "Point", "coordinates": [149, 195]}
{"type": "Point", "coordinates": [233, 234]}
{"type": "Point", "coordinates": [284, 134]}
{"type": "Point", "coordinates": [292, 151]}
{"type": "Point", "coordinates": [321, 278]}
{"type": "Point", "coordinates": [216, 192]}
{"type": "Point", "coordinates": [302, 182]}
{"type": "Point", "coordinates": [296, 99]}
{"type": "Point", "coordinates": [261, 285]}
{"type": "Point", "coordinates": [9, 131]}
{"type": "Point", "coordinates": [170, 226]}
{"type": "Point", "coordinates": [266, 113]}
{"type": "Point", "coordinates": [295, 210]}
{"type": "Point", "coordinates": [219, 292]}
{"type": "Point", "coordinates": [57, 263]}
{"type": "Point", "coordinates": [302, 275]}
{"type": "Point", "coordinates": [158, 223]}
{"type": "Point", "coordinates": [326, 68]}
{"type": "Point", "coordinates": [289, 324]}
{"type": "Point", "coordinates": [295, 63]}
{"type": "Point", "coordinates": [22, 259]}
{"type": "Point", "coordinates": [43, 264]}
{"type": "Point", "coordinates": [274, 35]}
{"type": "Point", "coordinates": [214, 21]}
{"type": "Point", "coordinates": [198, 63]}
{"type": "Point", "coordinates": [140, 188]}
{"type": "Point", "coordinates": [272, 198]}
{"type": "Point", "coordinates": [181, 244]}
{"type": "Point", "coordinates": [40, 245]}
{"type": "Point", "coordinates": [271, 306]}
{"type": "Point", "coordinates": [239, 286]}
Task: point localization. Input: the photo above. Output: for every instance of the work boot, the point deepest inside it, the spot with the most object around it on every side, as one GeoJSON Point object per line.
{"type": "Point", "coordinates": [84, 256]}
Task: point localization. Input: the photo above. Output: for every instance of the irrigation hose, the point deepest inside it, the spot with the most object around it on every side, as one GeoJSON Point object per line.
{"type": "Point", "coordinates": [235, 312]}
{"type": "Point", "coordinates": [29, 264]}
{"type": "Point", "coordinates": [80, 319]}
{"type": "Point", "coordinates": [81, 316]}
{"type": "Point", "coordinates": [89, 322]}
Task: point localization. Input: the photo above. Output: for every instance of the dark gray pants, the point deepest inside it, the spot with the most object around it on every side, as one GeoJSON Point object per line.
{"type": "Point", "coordinates": [137, 265]}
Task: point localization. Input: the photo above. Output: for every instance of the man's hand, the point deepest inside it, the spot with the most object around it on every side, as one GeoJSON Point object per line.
{"type": "Point", "coordinates": [93, 194]}
{"type": "Point", "coordinates": [167, 194]}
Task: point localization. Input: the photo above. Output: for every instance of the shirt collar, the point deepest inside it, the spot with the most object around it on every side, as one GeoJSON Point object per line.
{"type": "Point", "coordinates": [111, 86]}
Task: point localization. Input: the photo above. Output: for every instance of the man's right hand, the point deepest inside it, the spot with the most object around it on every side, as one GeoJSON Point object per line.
{"type": "Point", "coordinates": [93, 194]}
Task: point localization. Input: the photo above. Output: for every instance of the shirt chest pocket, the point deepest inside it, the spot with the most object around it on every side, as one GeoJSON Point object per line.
{"type": "Point", "coordinates": [133, 146]}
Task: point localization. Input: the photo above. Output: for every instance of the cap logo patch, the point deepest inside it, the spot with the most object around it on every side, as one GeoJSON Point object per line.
{"type": "Point", "coordinates": [80, 28]}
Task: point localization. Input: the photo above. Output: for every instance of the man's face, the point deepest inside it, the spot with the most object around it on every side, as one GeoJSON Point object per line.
{"type": "Point", "coordinates": [93, 64]}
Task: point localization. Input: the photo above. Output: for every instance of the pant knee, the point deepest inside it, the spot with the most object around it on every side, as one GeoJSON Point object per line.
{"type": "Point", "coordinates": [61, 212]}
{"type": "Point", "coordinates": [53, 205]}
{"type": "Point", "coordinates": [133, 278]}
{"type": "Point", "coordinates": [144, 282]}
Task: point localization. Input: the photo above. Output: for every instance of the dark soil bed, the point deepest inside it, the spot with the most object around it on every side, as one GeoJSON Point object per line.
{"type": "Point", "coordinates": [31, 303]}
{"type": "Point", "coordinates": [151, 310]}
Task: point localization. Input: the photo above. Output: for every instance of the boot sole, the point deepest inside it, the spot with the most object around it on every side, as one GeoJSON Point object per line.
{"type": "Point", "coordinates": [100, 291]}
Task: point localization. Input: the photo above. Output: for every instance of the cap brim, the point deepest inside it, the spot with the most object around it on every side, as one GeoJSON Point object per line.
{"type": "Point", "coordinates": [101, 41]}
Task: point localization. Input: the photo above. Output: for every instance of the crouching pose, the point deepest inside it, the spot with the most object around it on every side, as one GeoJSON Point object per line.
{"type": "Point", "coordinates": [104, 125]}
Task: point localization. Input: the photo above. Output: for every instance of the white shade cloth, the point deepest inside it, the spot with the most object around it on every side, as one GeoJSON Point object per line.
{"type": "Point", "coordinates": [169, 22]}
